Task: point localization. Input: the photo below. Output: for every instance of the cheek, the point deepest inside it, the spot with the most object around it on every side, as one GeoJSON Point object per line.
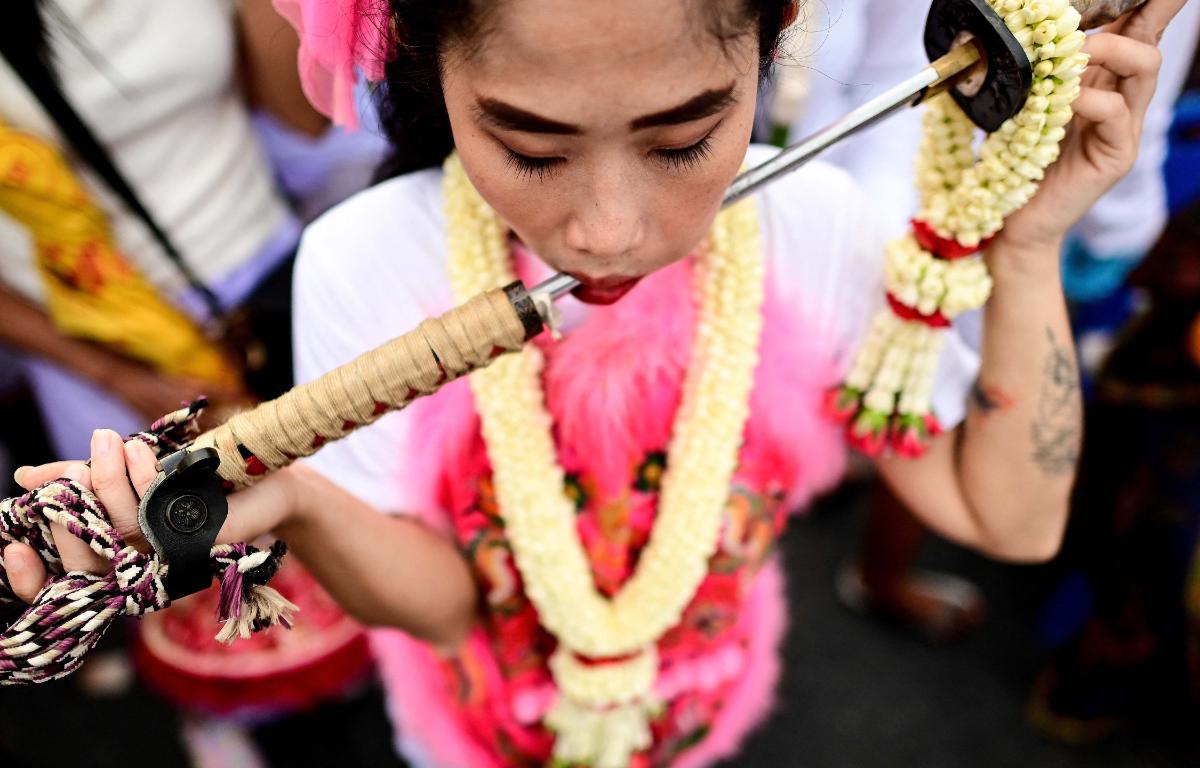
{"type": "Point", "coordinates": [684, 208]}
{"type": "Point", "coordinates": [525, 207]}
{"type": "Point", "coordinates": [520, 204]}
{"type": "Point", "coordinates": [682, 227]}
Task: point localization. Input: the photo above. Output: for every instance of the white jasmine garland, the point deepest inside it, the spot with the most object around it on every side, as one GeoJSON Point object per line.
{"type": "Point", "coordinates": [965, 195]}
{"type": "Point", "coordinates": [601, 716]}
{"type": "Point", "coordinates": [918, 279]}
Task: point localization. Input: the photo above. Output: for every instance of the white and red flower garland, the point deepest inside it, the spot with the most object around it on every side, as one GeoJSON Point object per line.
{"type": "Point", "coordinates": [936, 271]}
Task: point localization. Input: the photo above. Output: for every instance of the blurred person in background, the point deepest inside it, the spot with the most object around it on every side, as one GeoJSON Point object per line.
{"type": "Point", "coordinates": [1124, 621]}
{"type": "Point", "coordinates": [146, 247]}
{"type": "Point", "coordinates": [10, 381]}
{"type": "Point", "coordinates": [1118, 232]}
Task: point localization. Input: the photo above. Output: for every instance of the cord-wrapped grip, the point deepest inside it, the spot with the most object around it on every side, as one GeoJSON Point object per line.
{"type": "Point", "coordinates": [273, 435]}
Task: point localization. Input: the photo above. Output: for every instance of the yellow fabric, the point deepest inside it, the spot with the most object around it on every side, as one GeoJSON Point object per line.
{"type": "Point", "coordinates": [92, 292]}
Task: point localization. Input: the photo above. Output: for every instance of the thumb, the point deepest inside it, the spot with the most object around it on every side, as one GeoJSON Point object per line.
{"type": "Point", "coordinates": [26, 572]}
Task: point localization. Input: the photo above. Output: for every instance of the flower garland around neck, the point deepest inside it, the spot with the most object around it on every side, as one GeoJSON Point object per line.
{"type": "Point", "coordinates": [936, 271]}
{"type": "Point", "coordinates": [606, 661]}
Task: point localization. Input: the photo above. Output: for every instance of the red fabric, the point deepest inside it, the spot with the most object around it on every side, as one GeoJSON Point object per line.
{"type": "Point", "coordinates": [295, 690]}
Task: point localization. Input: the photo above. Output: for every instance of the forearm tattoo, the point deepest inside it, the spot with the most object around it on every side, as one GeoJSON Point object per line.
{"type": "Point", "coordinates": [1058, 424]}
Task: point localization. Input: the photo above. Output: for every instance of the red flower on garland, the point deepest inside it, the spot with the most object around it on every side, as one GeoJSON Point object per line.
{"type": "Point", "coordinates": [908, 438]}
{"type": "Point", "coordinates": [932, 426]}
{"type": "Point", "coordinates": [910, 434]}
{"type": "Point", "coordinates": [868, 433]}
{"type": "Point", "coordinates": [842, 403]}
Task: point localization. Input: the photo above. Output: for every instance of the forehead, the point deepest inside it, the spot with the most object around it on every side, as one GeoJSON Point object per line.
{"type": "Point", "coordinates": [603, 60]}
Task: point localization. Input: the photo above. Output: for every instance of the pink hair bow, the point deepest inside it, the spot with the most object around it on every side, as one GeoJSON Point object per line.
{"type": "Point", "coordinates": [336, 38]}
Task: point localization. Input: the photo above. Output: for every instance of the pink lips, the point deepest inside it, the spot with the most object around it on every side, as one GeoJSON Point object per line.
{"type": "Point", "coordinates": [605, 290]}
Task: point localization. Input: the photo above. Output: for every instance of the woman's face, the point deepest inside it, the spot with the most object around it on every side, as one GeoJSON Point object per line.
{"type": "Point", "coordinates": [603, 133]}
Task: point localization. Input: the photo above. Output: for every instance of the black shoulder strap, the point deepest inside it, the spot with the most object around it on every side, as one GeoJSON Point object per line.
{"type": "Point", "coordinates": [31, 64]}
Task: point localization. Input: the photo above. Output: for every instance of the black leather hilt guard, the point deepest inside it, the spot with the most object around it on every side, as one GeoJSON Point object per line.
{"type": "Point", "coordinates": [181, 514]}
{"type": "Point", "coordinates": [1009, 73]}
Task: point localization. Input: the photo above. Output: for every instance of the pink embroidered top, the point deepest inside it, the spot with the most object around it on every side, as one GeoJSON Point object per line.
{"type": "Point", "coordinates": [375, 267]}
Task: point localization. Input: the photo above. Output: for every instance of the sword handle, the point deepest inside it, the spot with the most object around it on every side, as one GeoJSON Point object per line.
{"type": "Point", "coordinates": [254, 443]}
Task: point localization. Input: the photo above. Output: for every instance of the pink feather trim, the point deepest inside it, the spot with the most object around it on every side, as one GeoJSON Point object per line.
{"type": "Point", "coordinates": [613, 384]}
{"type": "Point", "coordinates": [763, 623]}
{"type": "Point", "coordinates": [428, 729]}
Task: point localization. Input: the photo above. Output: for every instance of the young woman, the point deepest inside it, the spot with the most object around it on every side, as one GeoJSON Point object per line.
{"type": "Point", "coordinates": [651, 455]}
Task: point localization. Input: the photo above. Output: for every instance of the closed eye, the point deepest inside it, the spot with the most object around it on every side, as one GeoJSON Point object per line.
{"type": "Point", "coordinates": [526, 167]}
{"type": "Point", "coordinates": [689, 157]}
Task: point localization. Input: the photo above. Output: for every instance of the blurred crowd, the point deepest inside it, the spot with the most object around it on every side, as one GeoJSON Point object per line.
{"type": "Point", "coordinates": [165, 151]}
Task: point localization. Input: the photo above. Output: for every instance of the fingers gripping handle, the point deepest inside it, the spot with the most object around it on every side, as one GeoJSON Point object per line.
{"type": "Point", "coordinates": [257, 442]}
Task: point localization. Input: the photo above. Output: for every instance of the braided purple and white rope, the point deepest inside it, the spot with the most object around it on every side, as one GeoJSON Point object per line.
{"type": "Point", "coordinates": [50, 638]}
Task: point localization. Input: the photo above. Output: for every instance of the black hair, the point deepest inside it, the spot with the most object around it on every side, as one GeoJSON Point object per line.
{"type": "Point", "coordinates": [412, 107]}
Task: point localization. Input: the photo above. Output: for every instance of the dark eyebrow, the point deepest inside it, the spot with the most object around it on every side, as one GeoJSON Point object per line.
{"type": "Point", "coordinates": [508, 117]}
{"type": "Point", "coordinates": [695, 108]}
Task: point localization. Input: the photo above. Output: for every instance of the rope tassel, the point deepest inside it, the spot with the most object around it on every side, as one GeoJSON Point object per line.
{"type": "Point", "coordinates": [49, 639]}
{"type": "Point", "coordinates": [246, 604]}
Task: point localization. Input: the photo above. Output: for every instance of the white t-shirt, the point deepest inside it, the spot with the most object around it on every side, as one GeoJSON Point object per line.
{"type": "Point", "coordinates": [156, 81]}
{"type": "Point", "coordinates": [374, 267]}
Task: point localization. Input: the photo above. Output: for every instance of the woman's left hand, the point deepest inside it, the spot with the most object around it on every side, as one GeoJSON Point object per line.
{"type": "Point", "coordinates": [1102, 140]}
{"type": "Point", "coordinates": [119, 475]}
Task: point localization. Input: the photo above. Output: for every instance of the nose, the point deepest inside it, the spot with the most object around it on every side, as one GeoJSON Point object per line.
{"type": "Point", "coordinates": [607, 223]}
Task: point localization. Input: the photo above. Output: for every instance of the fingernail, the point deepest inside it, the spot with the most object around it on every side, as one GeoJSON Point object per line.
{"type": "Point", "coordinates": [136, 451]}
{"type": "Point", "coordinates": [102, 442]}
{"type": "Point", "coordinates": [18, 472]}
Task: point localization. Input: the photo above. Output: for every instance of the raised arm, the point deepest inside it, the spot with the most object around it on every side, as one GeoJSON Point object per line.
{"type": "Point", "coordinates": [1001, 482]}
